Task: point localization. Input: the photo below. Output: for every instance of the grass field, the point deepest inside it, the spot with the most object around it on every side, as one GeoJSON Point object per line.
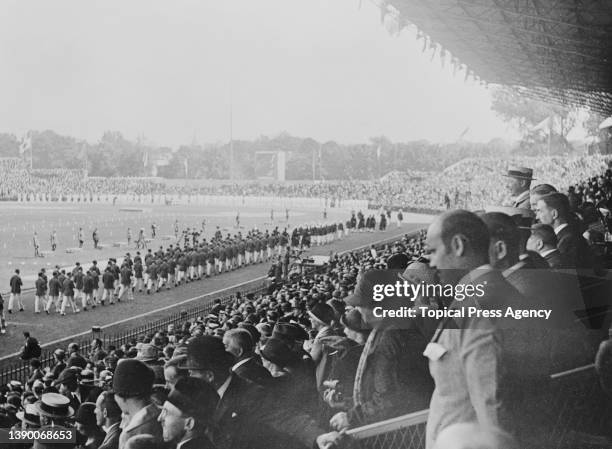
{"type": "Point", "coordinates": [18, 223]}
{"type": "Point", "coordinates": [125, 315]}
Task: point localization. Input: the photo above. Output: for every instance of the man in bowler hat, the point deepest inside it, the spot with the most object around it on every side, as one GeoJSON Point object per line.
{"type": "Point", "coordinates": [187, 414]}
{"type": "Point", "coordinates": [133, 385]}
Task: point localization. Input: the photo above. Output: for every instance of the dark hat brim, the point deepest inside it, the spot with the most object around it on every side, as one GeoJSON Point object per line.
{"type": "Point", "coordinates": [42, 412]}
{"type": "Point", "coordinates": [518, 176]}
{"type": "Point", "coordinates": [21, 416]}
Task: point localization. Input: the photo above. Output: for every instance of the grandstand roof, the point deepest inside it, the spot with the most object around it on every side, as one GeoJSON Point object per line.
{"type": "Point", "coordinates": [555, 50]}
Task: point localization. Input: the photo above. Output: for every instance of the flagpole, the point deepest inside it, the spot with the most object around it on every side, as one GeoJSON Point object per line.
{"type": "Point", "coordinates": [231, 135]}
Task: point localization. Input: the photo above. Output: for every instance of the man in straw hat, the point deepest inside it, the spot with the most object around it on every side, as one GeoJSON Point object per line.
{"type": "Point", "coordinates": [519, 185]}
{"type": "Point", "coordinates": [54, 409]}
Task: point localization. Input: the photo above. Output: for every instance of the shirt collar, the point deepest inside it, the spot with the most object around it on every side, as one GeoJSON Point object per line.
{"type": "Point", "coordinates": [107, 430]}
{"type": "Point", "coordinates": [560, 228]}
{"type": "Point", "coordinates": [547, 252]}
{"type": "Point", "coordinates": [222, 389]}
{"type": "Point", "coordinates": [178, 446]}
{"type": "Point", "coordinates": [517, 266]}
{"type": "Point", "coordinates": [521, 196]}
{"type": "Point", "coordinates": [240, 363]}
{"type": "Point", "coordinates": [322, 332]}
{"type": "Point", "coordinates": [475, 274]}
{"type": "Point", "coordinates": [136, 419]}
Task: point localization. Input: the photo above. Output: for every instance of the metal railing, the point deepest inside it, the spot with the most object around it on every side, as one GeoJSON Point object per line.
{"type": "Point", "coordinates": [402, 432]}
{"type": "Point", "coordinates": [20, 370]}
{"type": "Point", "coordinates": [580, 413]}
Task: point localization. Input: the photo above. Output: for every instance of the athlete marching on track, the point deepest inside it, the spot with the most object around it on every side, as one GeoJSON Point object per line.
{"type": "Point", "coordinates": [36, 245]}
{"type": "Point", "coordinates": [81, 237]}
{"type": "Point", "coordinates": [129, 236]}
{"type": "Point", "coordinates": [95, 238]}
{"type": "Point", "coordinates": [53, 239]}
{"type": "Point", "coordinates": [15, 284]}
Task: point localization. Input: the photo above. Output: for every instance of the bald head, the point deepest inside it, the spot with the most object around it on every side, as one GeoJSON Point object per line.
{"type": "Point", "coordinates": [458, 240]}
{"type": "Point", "coordinates": [504, 243]}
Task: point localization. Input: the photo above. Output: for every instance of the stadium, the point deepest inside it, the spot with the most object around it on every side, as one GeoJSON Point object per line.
{"type": "Point", "coordinates": [327, 291]}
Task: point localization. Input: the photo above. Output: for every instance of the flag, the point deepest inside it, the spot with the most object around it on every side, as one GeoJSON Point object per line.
{"type": "Point", "coordinates": [145, 158]}
{"type": "Point", "coordinates": [26, 144]}
{"type": "Point", "coordinates": [548, 125]}
{"type": "Point", "coordinates": [186, 164]}
{"type": "Point", "coordinates": [465, 131]}
{"type": "Point", "coordinates": [378, 152]}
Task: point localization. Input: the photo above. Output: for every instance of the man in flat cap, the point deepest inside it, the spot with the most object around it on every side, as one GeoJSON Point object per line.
{"type": "Point", "coordinates": [187, 414]}
{"type": "Point", "coordinates": [519, 185]}
{"type": "Point", "coordinates": [67, 384]}
{"type": "Point", "coordinates": [133, 385]}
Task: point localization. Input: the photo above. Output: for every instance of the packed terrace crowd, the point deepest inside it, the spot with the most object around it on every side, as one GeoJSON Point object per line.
{"type": "Point", "coordinates": [470, 184]}
{"type": "Point", "coordinates": [310, 359]}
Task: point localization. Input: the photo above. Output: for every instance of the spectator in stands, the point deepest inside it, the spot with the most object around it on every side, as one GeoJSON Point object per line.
{"type": "Point", "coordinates": [239, 343]}
{"type": "Point", "coordinates": [108, 418]}
{"type": "Point", "coordinates": [391, 376]}
{"type": "Point", "coordinates": [67, 384]}
{"type": "Point", "coordinates": [521, 178]}
{"type": "Point", "coordinates": [538, 192]}
{"type": "Point", "coordinates": [465, 364]}
{"type": "Point", "coordinates": [149, 355]}
{"type": "Point", "coordinates": [132, 385]}
{"type": "Point", "coordinates": [173, 372]}
{"type": "Point", "coordinates": [54, 409]}
{"type": "Point", "coordinates": [322, 318]}
{"type": "Point", "coordinates": [88, 432]}
{"type": "Point", "coordinates": [74, 357]}
{"type": "Point", "coordinates": [543, 240]}
{"type": "Point", "coordinates": [553, 209]}
{"type": "Point", "coordinates": [187, 414]}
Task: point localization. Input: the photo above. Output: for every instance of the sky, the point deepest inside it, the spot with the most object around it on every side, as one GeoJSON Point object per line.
{"type": "Point", "coordinates": [169, 70]}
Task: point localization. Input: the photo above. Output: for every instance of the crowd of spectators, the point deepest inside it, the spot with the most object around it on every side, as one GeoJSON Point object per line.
{"type": "Point", "coordinates": [311, 358]}
{"type": "Point", "coordinates": [471, 184]}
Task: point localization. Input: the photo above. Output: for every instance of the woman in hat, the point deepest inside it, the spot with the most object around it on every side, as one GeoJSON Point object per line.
{"type": "Point", "coordinates": [336, 371]}
{"type": "Point", "coordinates": [89, 435]}
{"type": "Point", "coordinates": [290, 382]}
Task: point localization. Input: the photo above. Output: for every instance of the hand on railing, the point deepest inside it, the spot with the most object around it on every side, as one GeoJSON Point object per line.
{"type": "Point", "coordinates": [331, 439]}
{"type": "Point", "coordinates": [339, 421]}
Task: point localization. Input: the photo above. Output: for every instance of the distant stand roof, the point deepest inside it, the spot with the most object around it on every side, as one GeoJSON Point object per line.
{"type": "Point", "coordinates": [554, 50]}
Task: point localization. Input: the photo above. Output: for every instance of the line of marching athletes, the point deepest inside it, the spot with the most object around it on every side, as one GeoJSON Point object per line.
{"type": "Point", "coordinates": [168, 267]}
